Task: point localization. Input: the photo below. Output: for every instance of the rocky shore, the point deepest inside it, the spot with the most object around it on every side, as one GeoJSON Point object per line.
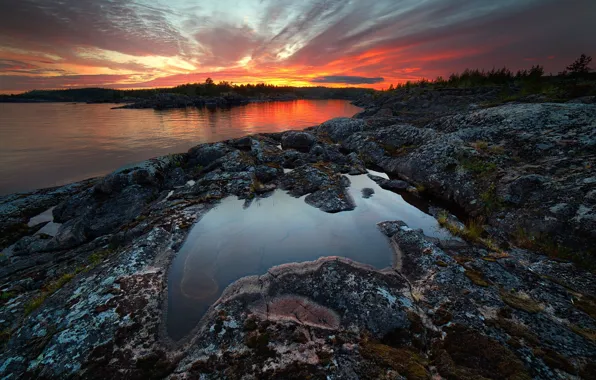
{"type": "Point", "coordinates": [84, 288]}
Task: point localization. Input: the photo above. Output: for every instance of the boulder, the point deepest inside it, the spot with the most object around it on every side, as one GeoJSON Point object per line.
{"type": "Point", "coordinates": [301, 141]}
{"type": "Point", "coordinates": [394, 185]}
{"type": "Point", "coordinates": [206, 154]}
{"type": "Point", "coordinates": [340, 128]}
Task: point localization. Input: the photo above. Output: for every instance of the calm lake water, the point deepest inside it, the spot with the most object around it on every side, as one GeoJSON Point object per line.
{"type": "Point", "coordinates": [52, 144]}
{"type": "Point", "coordinates": [231, 242]}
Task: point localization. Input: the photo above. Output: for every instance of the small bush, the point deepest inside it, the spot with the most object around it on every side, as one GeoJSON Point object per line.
{"type": "Point", "coordinates": [478, 166]}
{"type": "Point", "coordinates": [496, 149]}
{"type": "Point", "coordinates": [53, 287]}
{"type": "Point", "coordinates": [490, 199]}
{"type": "Point", "coordinates": [442, 217]}
{"type": "Point", "coordinates": [480, 145]}
{"type": "Point", "coordinates": [5, 296]}
{"type": "Point", "coordinates": [97, 257]}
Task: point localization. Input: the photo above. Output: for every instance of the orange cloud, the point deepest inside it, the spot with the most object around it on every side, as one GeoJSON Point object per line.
{"type": "Point", "coordinates": [138, 44]}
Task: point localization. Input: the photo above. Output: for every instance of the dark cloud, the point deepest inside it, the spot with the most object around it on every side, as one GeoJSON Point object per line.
{"type": "Point", "coordinates": [20, 82]}
{"type": "Point", "coordinates": [226, 43]}
{"type": "Point", "coordinates": [58, 26]}
{"type": "Point", "coordinates": [21, 67]}
{"type": "Point", "coordinates": [347, 79]}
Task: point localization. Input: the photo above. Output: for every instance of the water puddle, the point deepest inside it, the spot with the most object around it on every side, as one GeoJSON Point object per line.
{"type": "Point", "coordinates": [231, 242]}
{"type": "Point", "coordinates": [45, 216]}
{"type": "Point", "coordinates": [50, 228]}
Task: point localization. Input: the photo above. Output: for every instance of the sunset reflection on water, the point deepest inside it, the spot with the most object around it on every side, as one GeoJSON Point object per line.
{"type": "Point", "coordinates": [51, 144]}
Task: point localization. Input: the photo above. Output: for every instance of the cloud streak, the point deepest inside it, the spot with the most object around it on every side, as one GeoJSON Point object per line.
{"type": "Point", "coordinates": [141, 43]}
{"type": "Point", "coordinates": [347, 79]}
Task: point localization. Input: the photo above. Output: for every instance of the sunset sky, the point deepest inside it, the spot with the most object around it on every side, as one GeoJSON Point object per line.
{"type": "Point", "coordinates": [148, 43]}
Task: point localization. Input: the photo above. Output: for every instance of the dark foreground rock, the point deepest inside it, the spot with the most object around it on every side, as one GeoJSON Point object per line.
{"type": "Point", "coordinates": [458, 314]}
{"type": "Point", "coordinates": [87, 298]}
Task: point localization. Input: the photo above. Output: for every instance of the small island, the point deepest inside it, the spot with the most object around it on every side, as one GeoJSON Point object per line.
{"type": "Point", "coordinates": [206, 94]}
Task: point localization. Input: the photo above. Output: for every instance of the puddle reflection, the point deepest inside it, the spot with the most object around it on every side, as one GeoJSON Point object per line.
{"type": "Point", "coordinates": [231, 242]}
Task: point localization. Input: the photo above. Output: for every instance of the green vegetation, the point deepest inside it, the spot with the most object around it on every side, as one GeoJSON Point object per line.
{"type": "Point", "coordinates": [473, 231]}
{"type": "Point", "coordinates": [490, 199]}
{"type": "Point", "coordinates": [397, 151]}
{"type": "Point", "coordinates": [403, 360]}
{"type": "Point", "coordinates": [52, 288]}
{"type": "Point", "coordinates": [480, 145]}
{"type": "Point", "coordinates": [543, 244]}
{"type": "Point", "coordinates": [443, 217]}
{"type": "Point", "coordinates": [5, 296]}
{"type": "Point", "coordinates": [578, 80]}
{"type": "Point", "coordinates": [476, 277]}
{"type": "Point", "coordinates": [521, 301]}
{"type": "Point", "coordinates": [586, 333]}
{"type": "Point", "coordinates": [478, 166]}
{"type": "Point", "coordinates": [5, 337]}
{"type": "Point", "coordinates": [99, 256]}
{"type": "Point", "coordinates": [94, 260]}
{"type": "Point", "coordinates": [555, 250]}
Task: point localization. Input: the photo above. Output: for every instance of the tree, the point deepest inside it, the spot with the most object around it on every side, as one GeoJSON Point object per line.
{"type": "Point", "coordinates": [536, 72]}
{"type": "Point", "coordinates": [581, 65]}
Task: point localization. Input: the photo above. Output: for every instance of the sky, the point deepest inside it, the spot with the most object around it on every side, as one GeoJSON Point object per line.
{"type": "Point", "coordinates": [47, 44]}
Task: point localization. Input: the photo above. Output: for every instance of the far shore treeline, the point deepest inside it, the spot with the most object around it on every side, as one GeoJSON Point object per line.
{"type": "Point", "coordinates": [577, 80]}
{"type": "Point", "coordinates": [206, 89]}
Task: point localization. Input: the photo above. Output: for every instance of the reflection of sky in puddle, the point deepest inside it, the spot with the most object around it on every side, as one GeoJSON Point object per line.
{"type": "Point", "coordinates": [231, 242]}
{"type": "Point", "coordinates": [50, 228]}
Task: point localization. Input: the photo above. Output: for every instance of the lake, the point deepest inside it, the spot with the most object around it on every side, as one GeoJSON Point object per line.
{"type": "Point", "coordinates": [51, 144]}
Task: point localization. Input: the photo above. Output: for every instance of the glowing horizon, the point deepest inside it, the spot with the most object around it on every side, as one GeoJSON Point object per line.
{"type": "Point", "coordinates": [121, 44]}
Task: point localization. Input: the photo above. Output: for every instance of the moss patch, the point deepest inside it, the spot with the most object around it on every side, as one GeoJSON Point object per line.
{"type": "Point", "coordinates": [402, 360]}
{"type": "Point", "coordinates": [395, 151]}
{"type": "Point", "coordinates": [474, 354]}
{"type": "Point", "coordinates": [554, 359]}
{"type": "Point", "coordinates": [490, 199]}
{"type": "Point", "coordinates": [521, 302]}
{"type": "Point", "coordinates": [476, 277]}
{"type": "Point", "coordinates": [478, 166]}
{"type": "Point", "coordinates": [515, 330]}
{"type": "Point", "coordinates": [586, 304]}
{"type": "Point", "coordinates": [586, 333]}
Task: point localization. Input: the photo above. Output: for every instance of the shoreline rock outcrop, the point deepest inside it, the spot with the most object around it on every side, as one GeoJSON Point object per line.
{"type": "Point", "coordinates": [90, 301]}
{"type": "Point", "coordinates": [166, 101]}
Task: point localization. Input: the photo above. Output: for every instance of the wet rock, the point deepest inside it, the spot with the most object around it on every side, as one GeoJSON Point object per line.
{"type": "Point", "coordinates": [301, 141]}
{"type": "Point", "coordinates": [307, 179]}
{"type": "Point", "coordinates": [334, 199]}
{"type": "Point", "coordinates": [395, 185]}
{"type": "Point", "coordinates": [367, 192]}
